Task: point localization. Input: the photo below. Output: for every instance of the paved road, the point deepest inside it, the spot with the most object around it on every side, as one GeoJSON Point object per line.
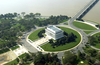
{"type": "Point", "coordinates": [28, 46]}
{"type": "Point", "coordinates": [96, 31]}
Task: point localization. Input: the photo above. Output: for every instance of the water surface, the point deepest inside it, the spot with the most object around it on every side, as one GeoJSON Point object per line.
{"type": "Point", "coordinates": [50, 7]}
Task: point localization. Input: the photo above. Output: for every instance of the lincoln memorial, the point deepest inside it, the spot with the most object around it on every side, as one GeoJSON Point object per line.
{"type": "Point", "coordinates": [54, 32]}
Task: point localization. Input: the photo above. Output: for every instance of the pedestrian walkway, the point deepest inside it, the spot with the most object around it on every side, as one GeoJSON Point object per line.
{"type": "Point", "coordinates": [39, 42]}
{"type": "Point", "coordinates": [19, 51]}
{"type": "Point", "coordinates": [94, 48]}
{"type": "Point", "coordinates": [12, 55]}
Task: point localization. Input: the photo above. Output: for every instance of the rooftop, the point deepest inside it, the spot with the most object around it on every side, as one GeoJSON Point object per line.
{"type": "Point", "coordinates": [55, 29]}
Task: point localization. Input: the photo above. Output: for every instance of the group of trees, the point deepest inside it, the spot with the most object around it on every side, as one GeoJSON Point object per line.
{"type": "Point", "coordinates": [12, 15]}
{"type": "Point", "coordinates": [38, 59]}
{"type": "Point", "coordinates": [40, 34]}
{"type": "Point", "coordinates": [10, 27]}
{"type": "Point", "coordinates": [7, 35]}
{"type": "Point", "coordinates": [69, 58]}
{"type": "Point", "coordinates": [8, 15]}
{"type": "Point", "coordinates": [92, 55]}
{"type": "Point", "coordinates": [94, 39]}
{"type": "Point", "coordinates": [31, 15]}
{"type": "Point", "coordinates": [51, 20]}
{"type": "Point", "coordinates": [72, 59]}
{"type": "Point", "coordinates": [46, 59]}
{"type": "Point", "coordinates": [62, 41]}
{"type": "Point", "coordinates": [97, 26]}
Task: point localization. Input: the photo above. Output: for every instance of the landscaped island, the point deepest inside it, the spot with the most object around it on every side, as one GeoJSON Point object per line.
{"type": "Point", "coordinates": [48, 47]}
{"type": "Point", "coordinates": [82, 25]}
{"type": "Point", "coordinates": [94, 40]}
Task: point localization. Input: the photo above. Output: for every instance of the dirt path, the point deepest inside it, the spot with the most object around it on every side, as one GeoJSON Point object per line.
{"type": "Point", "coordinates": [4, 58]}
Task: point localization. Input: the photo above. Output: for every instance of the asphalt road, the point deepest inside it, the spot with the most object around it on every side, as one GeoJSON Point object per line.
{"type": "Point", "coordinates": [29, 47]}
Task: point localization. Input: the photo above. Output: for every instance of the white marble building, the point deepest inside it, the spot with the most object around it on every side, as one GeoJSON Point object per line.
{"type": "Point", "coordinates": [54, 32]}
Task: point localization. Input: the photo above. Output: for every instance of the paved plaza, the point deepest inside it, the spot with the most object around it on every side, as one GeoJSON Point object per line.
{"type": "Point", "coordinates": [39, 42]}
{"type": "Point", "coordinates": [19, 51]}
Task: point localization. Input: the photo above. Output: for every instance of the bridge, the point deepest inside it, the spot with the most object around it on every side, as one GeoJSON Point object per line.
{"type": "Point", "coordinates": [81, 13]}
{"type": "Point", "coordinates": [87, 8]}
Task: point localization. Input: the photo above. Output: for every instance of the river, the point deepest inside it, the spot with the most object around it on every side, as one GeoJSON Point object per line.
{"type": "Point", "coordinates": [50, 7]}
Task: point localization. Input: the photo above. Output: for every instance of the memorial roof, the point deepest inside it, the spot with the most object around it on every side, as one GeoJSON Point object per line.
{"type": "Point", "coordinates": [54, 28]}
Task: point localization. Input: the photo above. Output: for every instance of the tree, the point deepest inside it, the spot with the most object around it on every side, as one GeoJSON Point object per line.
{"type": "Point", "coordinates": [17, 59]}
{"type": "Point", "coordinates": [31, 15]}
{"type": "Point", "coordinates": [88, 59]}
{"type": "Point", "coordinates": [98, 55]}
{"type": "Point", "coordinates": [92, 52]}
{"type": "Point", "coordinates": [91, 40]}
{"type": "Point", "coordinates": [37, 14]}
{"type": "Point", "coordinates": [46, 59]}
{"type": "Point", "coordinates": [65, 33]}
{"type": "Point", "coordinates": [50, 41]}
{"type": "Point", "coordinates": [20, 34]}
{"type": "Point", "coordinates": [15, 14]}
{"type": "Point", "coordinates": [81, 55]}
{"type": "Point", "coordinates": [23, 13]}
{"type": "Point", "coordinates": [69, 57]}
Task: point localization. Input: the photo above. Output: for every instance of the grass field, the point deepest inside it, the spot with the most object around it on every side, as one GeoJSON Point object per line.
{"type": "Point", "coordinates": [15, 47]}
{"type": "Point", "coordinates": [41, 19]}
{"type": "Point", "coordinates": [23, 55]}
{"type": "Point", "coordinates": [4, 50]}
{"type": "Point", "coordinates": [22, 27]}
{"type": "Point", "coordinates": [97, 34]}
{"type": "Point", "coordinates": [93, 21]}
{"type": "Point", "coordinates": [2, 42]}
{"type": "Point", "coordinates": [87, 32]}
{"type": "Point", "coordinates": [33, 36]}
{"type": "Point", "coordinates": [0, 21]}
{"type": "Point", "coordinates": [66, 24]}
{"type": "Point", "coordinates": [85, 63]}
{"type": "Point", "coordinates": [97, 45]}
{"type": "Point", "coordinates": [83, 26]}
{"type": "Point", "coordinates": [64, 20]}
{"type": "Point", "coordinates": [14, 62]}
{"type": "Point", "coordinates": [47, 47]}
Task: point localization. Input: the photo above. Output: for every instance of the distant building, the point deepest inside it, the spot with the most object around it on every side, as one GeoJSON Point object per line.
{"type": "Point", "coordinates": [54, 32]}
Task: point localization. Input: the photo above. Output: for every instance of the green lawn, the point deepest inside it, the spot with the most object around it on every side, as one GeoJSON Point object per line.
{"type": "Point", "coordinates": [87, 48]}
{"type": "Point", "coordinates": [87, 32]}
{"type": "Point", "coordinates": [22, 27]}
{"type": "Point", "coordinates": [41, 19]}
{"type": "Point", "coordinates": [14, 62]}
{"type": "Point", "coordinates": [93, 21]}
{"type": "Point", "coordinates": [4, 50]}
{"type": "Point", "coordinates": [96, 34]}
{"type": "Point", "coordinates": [23, 55]}
{"type": "Point", "coordinates": [64, 20]}
{"type": "Point", "coordinates": [97, 45]}
{"type": "Point", "coordinates": [33, 36]}
{"type": "Point", "coordinates": [15, 47]}
{"type": "Point", "coordinates": [47, 47]}
{"type": "Point", "coordinates": [16, 25]}
{"type": "Point", "coordinates": [28, 63]}
{"type": "Point", "coordinates": [2, 42]}
{"type": "Point", "coordinates": [83, 26]}
{"type": "Point", "coordinates": [85, 63]}
{"type": "Point", "coordinates": [66, 24]}
{"type": "Point", "coordinates": [0, 21]}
